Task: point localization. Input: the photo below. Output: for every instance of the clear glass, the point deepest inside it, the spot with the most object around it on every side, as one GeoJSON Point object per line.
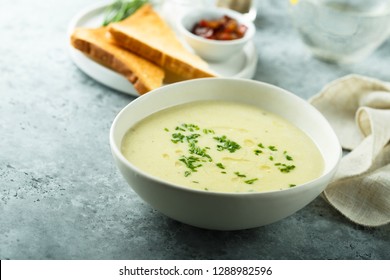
{"type": "Point", "coordinates": [342, 31]}
{"type": "Point", "coordinates": [246, 7]}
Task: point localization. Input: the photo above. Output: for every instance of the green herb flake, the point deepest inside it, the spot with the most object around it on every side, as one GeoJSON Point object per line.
{"type": "Point", "coordinates": [121, 9]}
{"type": "Point", "coordinates": [187, 173]}
{"type": "Point", "coordinates": [208, 131]}
{"type": "Point", "coordinates": [179, 128]}
{"type": "Point", "coordinates": [258, 152]}
{"type": "Point", "coordinates": [166, 129]}
{"type": "Point", "coordinates": [192, 138]}
{"type": "Point", "coordinates": [292, 185]}
{"type": "Point", "coordinates": [190, 127]}
{"type": "Point", "coordinates": [193, 149]}
{"type": "Point", "coordinates": [271, 158]}
{"type": "Point", "coordinates": [260, 145]}
{"type": "Point", "coordinates": [239, 174]}
{"type": "Point", "coordinates": [220, 165]}
{"type": "Point", "coordinates": [289, 157]}
{"type": "Point", "coordinates": [251, 181]}
{"type": "Point", "coordinates": [191, 162]}
{"type": "Point", "coordinates": [284, 168]}
{"type": "Point", "coordinates": [272, 148]}
{"type": "Point", "coordinates": [227, 144]}
{"type": "Point", "coordinates": [177, 137]}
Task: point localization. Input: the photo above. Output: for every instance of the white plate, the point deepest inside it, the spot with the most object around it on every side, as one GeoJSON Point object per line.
{"type": "Point", "coordinates": [241, 66]}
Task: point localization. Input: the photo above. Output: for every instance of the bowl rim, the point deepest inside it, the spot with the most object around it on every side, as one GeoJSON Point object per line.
{"type": "Point", "coordinates": [218, 11]}
{"type": "Point", "coordinates": [302, 187]}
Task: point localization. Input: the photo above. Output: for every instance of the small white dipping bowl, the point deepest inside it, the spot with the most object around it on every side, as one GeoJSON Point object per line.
{"type": "Point", "coordinates": [217, 210]}
{"type": "Point", "coordinates": [214, 50]}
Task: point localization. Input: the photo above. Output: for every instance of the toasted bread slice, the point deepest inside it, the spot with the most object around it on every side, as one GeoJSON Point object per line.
{"type": "Point", "coordinates": [148, 35]}
{"type": "Point", "coordinates": [95, 43]}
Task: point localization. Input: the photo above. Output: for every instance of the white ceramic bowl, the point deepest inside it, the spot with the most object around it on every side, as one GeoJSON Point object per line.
{"type": "Point", "coordinates": [214, 50]}
{"type": "Point", "coordinates": [216, 210]}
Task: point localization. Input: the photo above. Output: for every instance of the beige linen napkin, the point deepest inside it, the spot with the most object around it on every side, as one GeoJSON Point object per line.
{"type": "Point", "coordinates": [358, 109]}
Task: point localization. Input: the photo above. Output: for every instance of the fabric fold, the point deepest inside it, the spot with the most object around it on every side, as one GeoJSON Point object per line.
{"type": "Point", "coordinates": [358, 109]}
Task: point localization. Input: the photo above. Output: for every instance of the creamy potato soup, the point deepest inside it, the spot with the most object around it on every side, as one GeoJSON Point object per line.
{"type": "Point", "coordinates": [223, 147]}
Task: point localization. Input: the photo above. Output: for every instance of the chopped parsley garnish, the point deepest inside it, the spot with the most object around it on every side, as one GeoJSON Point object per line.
{"type": "Point", "coordinates": [258, 152]}
{"type": "Point", "coordinates": [177, 137]}
{"type": "Point", "coordinates": [251, 181]}
{"type": "Point", "coordinates": [239, 174]}
{"type": "Point", "coordinates": [190, 127]}
{"type": "Point", "coordinates": [179, 128]}
{"type": "Point", "coordinates": [208, 131]}
{"type": "Point", "coordinates": [187, 127]}
{"type": "Point", "coordinates": [191, 162]}
{"type": "Point", "coordinates": [193, 149]}
{"type": "Point", "coordinates": [192, 138]}
{"type": "Point", "coordinates": [284, 168]}
{"type": "Point", "coordinates": [227, 144]}
{"type": "Point", "coordinates": [288, 157]}
{"type": "Point", "coordinates": [198, 156]}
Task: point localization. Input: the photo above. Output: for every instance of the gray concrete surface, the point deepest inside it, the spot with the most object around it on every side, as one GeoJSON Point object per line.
{"type": "Point", "coordinates": [61, 197]}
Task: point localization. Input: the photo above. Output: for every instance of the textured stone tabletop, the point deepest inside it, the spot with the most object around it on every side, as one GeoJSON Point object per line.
{"type": "Point", "coordinates": [61, 197]}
